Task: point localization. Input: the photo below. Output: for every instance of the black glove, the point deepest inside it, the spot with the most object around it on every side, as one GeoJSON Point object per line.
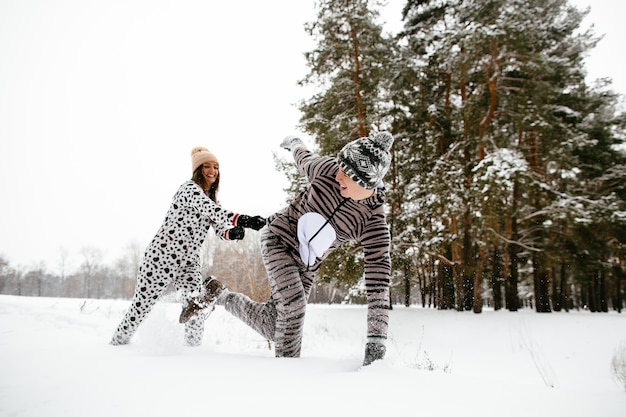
{"type": "Point", "coordinates": [256, 222]}
{"type": "Point", "coordinates": [373, 352]}
{"type": "Point", "coordinates": [236, 233]}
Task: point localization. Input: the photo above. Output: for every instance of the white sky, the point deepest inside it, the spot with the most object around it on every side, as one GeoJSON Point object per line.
{"type": "Point", "coordinates": [101, 103]}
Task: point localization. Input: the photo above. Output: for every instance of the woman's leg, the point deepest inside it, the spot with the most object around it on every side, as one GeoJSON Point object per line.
{"type": "Point", "coordinates": [188, 286]}
{"type": "Point", "coordinates": [148, 289]}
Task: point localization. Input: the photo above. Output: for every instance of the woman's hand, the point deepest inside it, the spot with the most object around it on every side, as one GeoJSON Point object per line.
{"type": "Point", "coordinates": [251, 222]}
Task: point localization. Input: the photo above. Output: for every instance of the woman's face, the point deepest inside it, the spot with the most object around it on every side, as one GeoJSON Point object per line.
{"type": "Point", "coordinates": [210, 171]}
{"type": "Point", "coordinates": [350, 189]}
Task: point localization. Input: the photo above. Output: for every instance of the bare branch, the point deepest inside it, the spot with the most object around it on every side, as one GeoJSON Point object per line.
{"type": "Point", "coordinates": [514, 242]}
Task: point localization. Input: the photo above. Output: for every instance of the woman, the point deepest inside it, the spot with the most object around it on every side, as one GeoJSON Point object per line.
{"type": "Point", "coordinates": [343, 202]}
{"type": "Point", "coordinates": [174, 253]}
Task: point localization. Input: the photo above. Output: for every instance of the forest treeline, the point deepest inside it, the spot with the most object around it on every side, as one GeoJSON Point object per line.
{"type": "Point", "coordinates": [507, 185]}
{"type": "Point", "coordinates": [508, 180]}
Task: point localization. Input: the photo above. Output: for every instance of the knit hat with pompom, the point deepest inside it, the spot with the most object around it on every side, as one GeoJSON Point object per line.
{"type": "Point", "coordinates": [367, 160]}
{"type": "Point", "coordinates": [200, 155]}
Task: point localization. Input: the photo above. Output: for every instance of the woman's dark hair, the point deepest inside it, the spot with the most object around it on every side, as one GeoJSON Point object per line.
{"type": "Point", "coordinates": [211, 190]}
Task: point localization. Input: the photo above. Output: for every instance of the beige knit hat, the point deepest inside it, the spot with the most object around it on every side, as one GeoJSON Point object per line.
{"type": "Point", "coordinates": [200, 155]}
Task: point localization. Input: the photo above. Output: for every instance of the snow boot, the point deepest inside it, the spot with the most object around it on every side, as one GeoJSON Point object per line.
{"type": "Point", "coordinates": [373, 351]}
{"type": "Point", "coordinates": [213, 288]}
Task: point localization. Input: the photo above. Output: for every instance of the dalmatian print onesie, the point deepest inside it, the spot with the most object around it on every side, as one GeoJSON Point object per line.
{"type": "Point", "coordinates": [174, 256]}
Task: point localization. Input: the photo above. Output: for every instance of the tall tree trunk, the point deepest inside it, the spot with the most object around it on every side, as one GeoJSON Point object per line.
{"type": "Point", "coordinates": [478, 279]}
{"type": "Point", "coordinates": [446, 284]}
{"type": "Point", "coordinates": [429, 272]}
{"type": "Point", "coordinates": [423, 283]}
{"type": "Point", "coordinates": [362, 128]}
{"type": "Point", "coordinates": [457, 272]}
{"type": "Point", "coordinates": [496, 278]}
{"type": "Point", "coordinates": [492, 72]}
{"type": "Point", "coordinates": [593, 291]}
{"type": "Point", "coordinates": [407, 285]}
{"type": "Point", "coordinates": [556, 291]}
{"type": "Point", "coordinates": [583, 298]}
{"type": "Point", "coordinates": [510, 289]}
{"type": "Point", "coordinates": [540, 274]}
{"type": "Point", "coordinates": [618, 273]}
{"type": "Point", "coordinates": [469, 263]}
{"type": "Point", "coordinates": [565, 298]}
{"type": "Point", "coordinates": [439, 282]}
{"type": "Point", "coordinates": [603, 305]}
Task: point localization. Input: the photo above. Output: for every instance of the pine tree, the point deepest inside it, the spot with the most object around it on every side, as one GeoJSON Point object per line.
{"type": "Point", "coordinates": [494, 76]}
{"type": "Point", "coordinates": [349, 67]}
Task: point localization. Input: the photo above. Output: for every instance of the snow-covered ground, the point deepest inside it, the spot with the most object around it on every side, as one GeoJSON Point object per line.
{"type": "Point", "coordinates": [55, 360]}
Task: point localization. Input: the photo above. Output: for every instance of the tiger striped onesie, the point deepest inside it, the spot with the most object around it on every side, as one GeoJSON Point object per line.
{"type": "Point", "coordinates": [296, 241]}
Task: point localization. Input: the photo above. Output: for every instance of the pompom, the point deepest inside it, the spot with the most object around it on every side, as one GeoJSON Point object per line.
{"type": "Point", "coordinates": [198, 149]}
{"type": "Point", "coordinates": [384, 140]}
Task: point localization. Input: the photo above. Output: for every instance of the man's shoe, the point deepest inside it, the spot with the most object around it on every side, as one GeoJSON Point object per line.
{"type": "Point", "coordinates": [373, 351]}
